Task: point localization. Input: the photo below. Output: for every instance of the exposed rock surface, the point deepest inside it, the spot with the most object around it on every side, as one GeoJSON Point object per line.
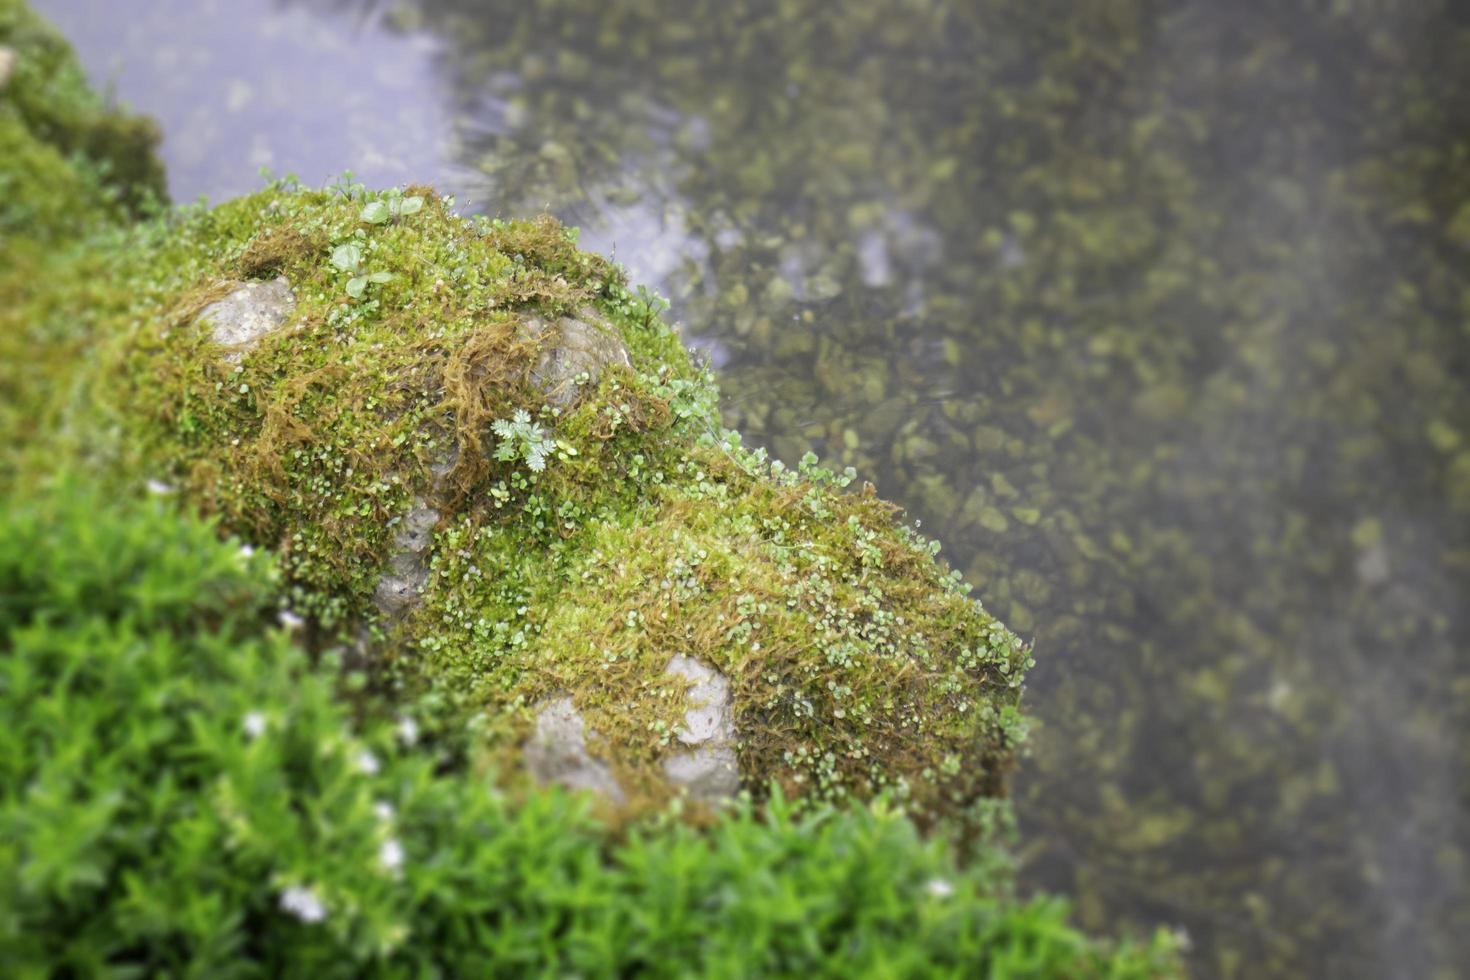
{"type": "Point", "coordinates": [572, 347]}
{"type": "Point", "coordinates": [408, 566]}
{"type": "Point", "coordinates": [709, 770]}
{"type": "Point", "coordinates": [407, 571]}
{"type": "Point", "coordinates": [557, 752]}
{"type": "Point", "coordinates": [248, 313]}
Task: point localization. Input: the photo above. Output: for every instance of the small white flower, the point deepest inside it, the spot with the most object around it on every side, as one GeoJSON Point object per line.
{"type": "Point", "coordinates": [246, 550]}
{"type": "Point", "coordinates": [367, 763]}
{"type": "Point", "coordinates": [408, 730]}
{"type": "Point", "coordinates": [939, 888]}
{"type": "Point", "coordinates": [390, 855]}
{"type": "Point", "coordinates": [383, 810]}
{"type": "Point", "coordinates": [159, 487]}
{"type": "Point", "coordinates": [290, 620]}
{"type": "Point", "coordinates": [303, 903]}
{"type": "Point", "coordinates": [254, 724]}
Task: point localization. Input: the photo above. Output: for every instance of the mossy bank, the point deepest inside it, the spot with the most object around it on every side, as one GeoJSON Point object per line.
{"type": "Point", "coordinates": [582, 534]}
{"type": "Point", "coordinates": [487, 525]}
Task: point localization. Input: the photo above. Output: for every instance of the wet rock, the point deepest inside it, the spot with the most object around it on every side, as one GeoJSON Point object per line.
{"type": "Point", "coordinates": [7, 65]}
{"type": "Point", "coordinates": [709, 771]}
{"type": "Point", "coordinates": [248, 313]}
{"type": "Point", "coordinates": [407, 572]}
{"type": "Point", "coordinates": [408, 566]}
{"type": "Point", "coordinates": [557, 752]}
{"type": "Point", "coordinates": [571, 348]}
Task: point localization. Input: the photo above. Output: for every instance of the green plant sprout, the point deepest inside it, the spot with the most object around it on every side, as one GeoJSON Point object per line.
{"type": "Point", "coordinates": [390, 206]}
{"type": "Point", "coordinates": [522, 439]}
{"type": "Point", "coordinates": [348, 258]}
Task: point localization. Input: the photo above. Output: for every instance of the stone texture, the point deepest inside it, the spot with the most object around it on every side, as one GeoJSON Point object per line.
{"type": "Point", "coordinates": [407, 572]}
{"type": "Point", "coordinates": [557, 752]}
{"type": "Point", "coordinates": [408, 566]}
{"type": "Point", "coordinates": [248, 313]}
{"type": "Point", "coordinates": [572, 346]}
{"type": "Point", "coordinates": [709, 771]}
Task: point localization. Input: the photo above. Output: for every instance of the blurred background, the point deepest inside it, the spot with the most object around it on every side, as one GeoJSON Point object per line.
{"type": "Point", "coordinates": [1155, 312]}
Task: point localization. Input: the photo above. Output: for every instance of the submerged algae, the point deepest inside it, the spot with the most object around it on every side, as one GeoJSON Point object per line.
{"type": "Point", "coordinates": [1154, 312]}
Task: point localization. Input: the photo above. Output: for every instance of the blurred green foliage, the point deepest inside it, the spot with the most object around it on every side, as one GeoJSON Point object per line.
{"type": "Point", "coordinates": [70, 158]}
{"type": "Point", "coordinates": [182, 792]}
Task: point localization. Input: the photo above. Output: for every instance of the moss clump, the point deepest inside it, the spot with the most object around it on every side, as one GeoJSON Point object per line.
{"type": "Point", "coordinates": [639, 531]}
{"type": "Point", "coordinates": [70, 158]}
{"type": "Point", "coordinates": [632, 530]}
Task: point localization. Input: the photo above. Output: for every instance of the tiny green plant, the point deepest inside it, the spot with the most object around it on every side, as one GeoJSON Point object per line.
{"type": "Point", "coordinates": [522, 439]}
{"type": "Point", "coordinates": [347, 257]}
{"type": "Point", "coordinates": [347, 185]}
{"type": "Point", "coordinates": [390, 206]}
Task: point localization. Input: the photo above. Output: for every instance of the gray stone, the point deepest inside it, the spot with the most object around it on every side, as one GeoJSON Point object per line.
{"type": "Point", "coordinates": [571, 347]}
{"type": "Point", "coordinates": [708, 718]}
{"type": "Point", "coordinates": [557, 752]}
{"type": "Point", "coordinates": [709, 771]}
{"type": "Point", "coordinates": [402, 584]}
{"type": "Point", "coordinates": [1372, 565]}
{"type": "Point", "coordinates": [248, 313]}
{"type": "Point", "coordinates": [7, 65]}
{"type": "Point", "coordinates": [709, 774]}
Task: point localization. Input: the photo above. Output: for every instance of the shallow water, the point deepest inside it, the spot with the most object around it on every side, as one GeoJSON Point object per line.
{"type": "Point", "coordinates": [1154, 313]}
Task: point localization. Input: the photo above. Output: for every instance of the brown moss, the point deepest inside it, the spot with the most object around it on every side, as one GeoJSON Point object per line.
{"type": "Point", "coordinates": [275, 248]}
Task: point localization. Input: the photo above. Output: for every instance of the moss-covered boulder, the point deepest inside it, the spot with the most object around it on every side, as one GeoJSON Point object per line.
{"type": "Point", "coordinates": [494, 478]}
{"type": "Point", "coordinates": [492, 472]}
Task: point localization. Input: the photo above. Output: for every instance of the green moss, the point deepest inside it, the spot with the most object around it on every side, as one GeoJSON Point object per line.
{"type": "Point", "coordinates": [857, 662]}
{"type": "Point", "coordinates": [858, 665]}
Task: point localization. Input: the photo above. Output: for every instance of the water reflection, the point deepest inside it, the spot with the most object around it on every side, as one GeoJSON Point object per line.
{"type": "Point", "coordinates": [244, 84]}
{"type": "Point", "coordinates": [1151, 311]}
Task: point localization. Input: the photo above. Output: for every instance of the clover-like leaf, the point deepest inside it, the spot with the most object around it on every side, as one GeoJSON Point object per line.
{"type": "Point", "coordinates": [347, 257]}
{"type": "Point", "coordinates": [410, 205]}
{"type": "Point", "coordinates": [376, 213]}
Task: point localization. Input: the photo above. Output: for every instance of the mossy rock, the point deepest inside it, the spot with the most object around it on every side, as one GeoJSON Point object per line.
{"type": "Point", "coordinates": [570, 543]}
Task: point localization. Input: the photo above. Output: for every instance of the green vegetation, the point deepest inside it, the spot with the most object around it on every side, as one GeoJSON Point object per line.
{"type": "Point", "coordinates": [183, 792]}
{"type": "Point", "coordinates": [581, 547]}
{"type": "Point", "coordinates": [70, 161]}
{"type": "Point", "coordinates": [189, 787]}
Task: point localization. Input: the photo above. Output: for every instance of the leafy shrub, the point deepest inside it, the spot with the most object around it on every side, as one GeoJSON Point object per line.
{"type": "Point", "coordinates": [182, 792]}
